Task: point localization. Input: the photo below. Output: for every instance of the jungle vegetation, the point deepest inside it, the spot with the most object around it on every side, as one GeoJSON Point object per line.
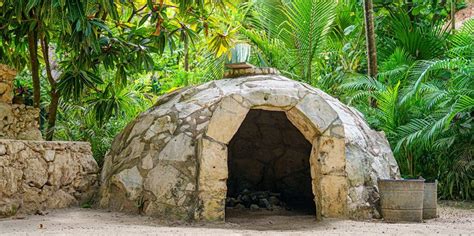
{"type": "Point", "coordinates": [92, 66]}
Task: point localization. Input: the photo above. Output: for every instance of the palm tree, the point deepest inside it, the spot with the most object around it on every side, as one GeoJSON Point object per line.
{"type": "Point", "coordinates": [300, 27]}
{"type": "Point", "coordinates": [370, 41]}
{"type": "Point", "coordinates": [370, 38]}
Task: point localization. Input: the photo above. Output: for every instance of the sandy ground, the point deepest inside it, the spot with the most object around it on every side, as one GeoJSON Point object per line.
{"type": "Point", "coordinates": [455, 219]}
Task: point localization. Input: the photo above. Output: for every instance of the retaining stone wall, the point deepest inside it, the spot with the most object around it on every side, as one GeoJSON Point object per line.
{"type": "Point", "coordinates": [38, 175]}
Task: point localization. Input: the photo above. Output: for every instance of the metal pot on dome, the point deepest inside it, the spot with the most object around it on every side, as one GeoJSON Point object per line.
{"type": "Point", "coordinates": [238, 64]}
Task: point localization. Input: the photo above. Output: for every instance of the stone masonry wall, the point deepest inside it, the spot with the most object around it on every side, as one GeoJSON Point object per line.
{"type": "Point", "coordinates": [17, 121]}
{"type": "Point", "coordinates": [38, 175]}
{"type": "Point", "coordinates": [6, 78]}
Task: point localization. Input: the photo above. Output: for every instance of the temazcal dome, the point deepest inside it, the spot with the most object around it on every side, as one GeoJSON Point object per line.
{"type": "Point", "coordinates": [180, 158]}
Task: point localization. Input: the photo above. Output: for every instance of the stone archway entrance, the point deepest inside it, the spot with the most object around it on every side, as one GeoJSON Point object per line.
{"type": "Point", "coordinates": [326, 160]}
{"type": "Point", "coordinates": [268, 165]}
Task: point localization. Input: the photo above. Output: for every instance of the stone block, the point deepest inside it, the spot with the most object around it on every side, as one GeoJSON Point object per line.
{"type": "Point", "coordinates": [212, 205]}
{"type": "Point", "coordinates": [129, 181]}
{"type": "Point", "coordinates": [180, 148]}
{"type": "Point", "coordinates": [332, 155]}
{"type": "Point", "coordinates": [226, 120]}
{"type": "Point", "coordinates": [213, 166]}
{"type": "Point", "coordinates": [333, 195]}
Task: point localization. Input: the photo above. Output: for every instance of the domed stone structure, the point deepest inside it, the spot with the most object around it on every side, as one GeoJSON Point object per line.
{"type": "Point", "coordinates": [182, 157]}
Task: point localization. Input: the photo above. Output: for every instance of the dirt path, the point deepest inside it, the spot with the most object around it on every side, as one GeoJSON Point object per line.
{"type": "Point", "coordinates": [454, 220]}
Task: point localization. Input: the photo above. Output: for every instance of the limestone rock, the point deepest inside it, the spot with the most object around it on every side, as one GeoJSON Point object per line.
{"type": "Point", "coordinates": [6, 89]}
{"type": "Point", "coordinates": [147, 162]}
{"type": "Point", "coordinates": [179, 148]}
{"type": "Point", "coordinates": [65, 169]}
{"type": "Point", "coordinates": [3, 150]}
{"type": "Point", "coordinates": [49, 155]}
{"type": "Point", "coordinates": [36, 172]}
{"type": "Point", "coordinates": [215, 172]}
{"type": "Point", "coordinates": [168, 186]}
{"type": "Point", "coordinates": [162, 124]}
{"type": "Point", "coordinates": [9, 207]}
{"type": "Point", "coordinates": [10, 180]}
{"type": "Point", "coordinates": [130, 181]}
{"type": "Point", "coordinates": [232, 114]}
{"type": "Point", "coordinates": [60, 199]}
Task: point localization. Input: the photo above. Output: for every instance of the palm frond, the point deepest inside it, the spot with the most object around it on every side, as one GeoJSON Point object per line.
{"type": "Point", "coordinates": [425, 69]}
{"type": "Point", "coordinates": [302, 25]}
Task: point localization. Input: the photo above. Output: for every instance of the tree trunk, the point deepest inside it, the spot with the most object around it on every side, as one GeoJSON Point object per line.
{"type": "Point", "coordinates": [370, 41]}
{"type": "Point", "coordinates": [370, 38]}
{"type": "Point", "coordinates": [186, 55]}
{"type": "Point", "coordinates": [52, 114]}
{"type": "Point", "coordinates": [54, 93]}
{"type": "Point", "coordinates": [33, 50]}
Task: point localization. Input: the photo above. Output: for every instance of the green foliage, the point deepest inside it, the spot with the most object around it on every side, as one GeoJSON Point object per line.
{"type": "Point", "coordinates": [420, 41]}
{"type": "Point", "coordinates": [86, 205]}
{"type": "Point", "coordinates": [426, 108]}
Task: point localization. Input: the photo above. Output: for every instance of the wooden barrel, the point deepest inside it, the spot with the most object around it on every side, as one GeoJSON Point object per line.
{"type": "Point", "coordinates": [430, 200]}
{"type": "Point", "coordinates": [402, 200]}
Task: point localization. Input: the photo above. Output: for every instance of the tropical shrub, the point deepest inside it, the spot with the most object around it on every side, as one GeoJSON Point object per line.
{"type": "Point", "coordinates": [426, 109]}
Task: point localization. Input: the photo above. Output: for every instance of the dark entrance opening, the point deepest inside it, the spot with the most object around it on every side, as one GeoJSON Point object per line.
{"type": "Point", "coordinates": [269, 168]}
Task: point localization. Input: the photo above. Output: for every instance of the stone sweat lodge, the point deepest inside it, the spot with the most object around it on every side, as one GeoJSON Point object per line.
{"type": "Point", "coordinates": [200, 147]}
